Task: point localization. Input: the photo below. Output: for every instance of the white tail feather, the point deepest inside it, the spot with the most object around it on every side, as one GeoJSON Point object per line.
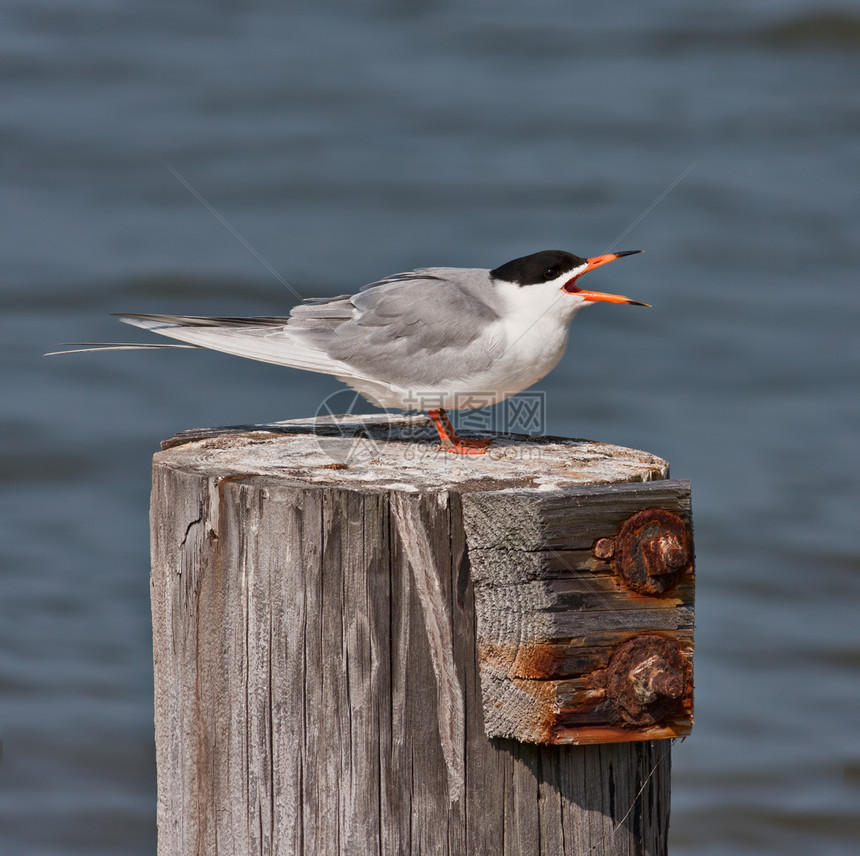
{"type": "Point", "coordinates": [95, 347]}
{"type": "Point", "coordinates": [266, 343]}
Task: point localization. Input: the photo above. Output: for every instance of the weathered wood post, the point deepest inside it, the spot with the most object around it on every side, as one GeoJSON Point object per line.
{"type": "Point", "coordinates": [364, 646]}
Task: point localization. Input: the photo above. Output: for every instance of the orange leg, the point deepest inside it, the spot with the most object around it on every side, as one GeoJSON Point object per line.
{"type": "Point", "coordinates": [453, 443]}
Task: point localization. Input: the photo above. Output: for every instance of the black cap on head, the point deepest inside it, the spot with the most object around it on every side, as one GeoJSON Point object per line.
{"type": "Point", "coordinates": [538, 267]}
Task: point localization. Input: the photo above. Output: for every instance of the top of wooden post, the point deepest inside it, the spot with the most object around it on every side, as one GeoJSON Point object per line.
{"type": "Point", "coordinates": [402, 453]}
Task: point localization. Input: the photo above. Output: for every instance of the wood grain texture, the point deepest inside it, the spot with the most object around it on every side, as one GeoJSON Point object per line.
{"type": "Point", "coordinates": [317, 675]}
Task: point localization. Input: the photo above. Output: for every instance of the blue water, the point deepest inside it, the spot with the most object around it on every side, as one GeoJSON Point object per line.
{"type": "Point", "coordinates": [334, 143]}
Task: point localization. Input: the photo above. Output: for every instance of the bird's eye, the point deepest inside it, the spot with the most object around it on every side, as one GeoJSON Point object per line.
{"type": "Point", "coordinates": [550, 273]}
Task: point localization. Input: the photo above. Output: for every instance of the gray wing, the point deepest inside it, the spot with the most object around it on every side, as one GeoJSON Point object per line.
{"type": "Point", "coordinates": [418, 328]}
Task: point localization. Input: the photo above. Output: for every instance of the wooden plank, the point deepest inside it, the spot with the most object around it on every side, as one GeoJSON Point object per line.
{"type": "Point", "coordinates": [566, 519]}
{"type": "Point", "coordinates": [549, 609]}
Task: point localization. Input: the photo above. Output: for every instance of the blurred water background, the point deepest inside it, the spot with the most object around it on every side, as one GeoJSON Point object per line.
{"type": "Point", "coordinates": [343, 141]}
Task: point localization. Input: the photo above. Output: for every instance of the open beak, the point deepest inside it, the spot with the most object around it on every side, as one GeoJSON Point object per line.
{"type": "Point", "coordinates": [596, 262]}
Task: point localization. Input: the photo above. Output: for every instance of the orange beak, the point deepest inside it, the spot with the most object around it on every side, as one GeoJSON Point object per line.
{"type": "Point", "coordinates": [596, 262]}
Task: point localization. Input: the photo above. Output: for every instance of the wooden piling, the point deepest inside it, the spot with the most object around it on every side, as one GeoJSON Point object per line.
{"type": "Point", "coordinates": [365, 646]}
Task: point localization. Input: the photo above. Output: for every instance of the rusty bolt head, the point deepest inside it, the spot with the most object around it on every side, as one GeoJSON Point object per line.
{"type": "Point", "coordinates": [604, 548]}
{"type": "Point", "coordinates": [654, 677]}
{"type": "Point", "coordinates": [651, 550]}
{"type": "Point", "coordinates": [647, 679]}
{"type": "Point", "coordinates": [672, 552]}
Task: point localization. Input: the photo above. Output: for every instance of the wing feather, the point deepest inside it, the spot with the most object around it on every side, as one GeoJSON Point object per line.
{"type": "Point", "coordinates": [421, 328]}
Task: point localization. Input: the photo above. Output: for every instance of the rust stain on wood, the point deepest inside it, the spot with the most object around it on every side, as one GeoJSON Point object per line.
{"type": "Point", "coordinates": [581, 736]}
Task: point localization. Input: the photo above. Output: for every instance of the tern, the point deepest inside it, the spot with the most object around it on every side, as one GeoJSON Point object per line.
{"type": "Point", "coordinates": [434, 339]}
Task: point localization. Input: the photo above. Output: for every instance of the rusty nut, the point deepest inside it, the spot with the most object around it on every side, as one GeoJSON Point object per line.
{"type": "Point", "coordinates": [652, 549]}
{"type": "Point", "coordinates": [646, 679]}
